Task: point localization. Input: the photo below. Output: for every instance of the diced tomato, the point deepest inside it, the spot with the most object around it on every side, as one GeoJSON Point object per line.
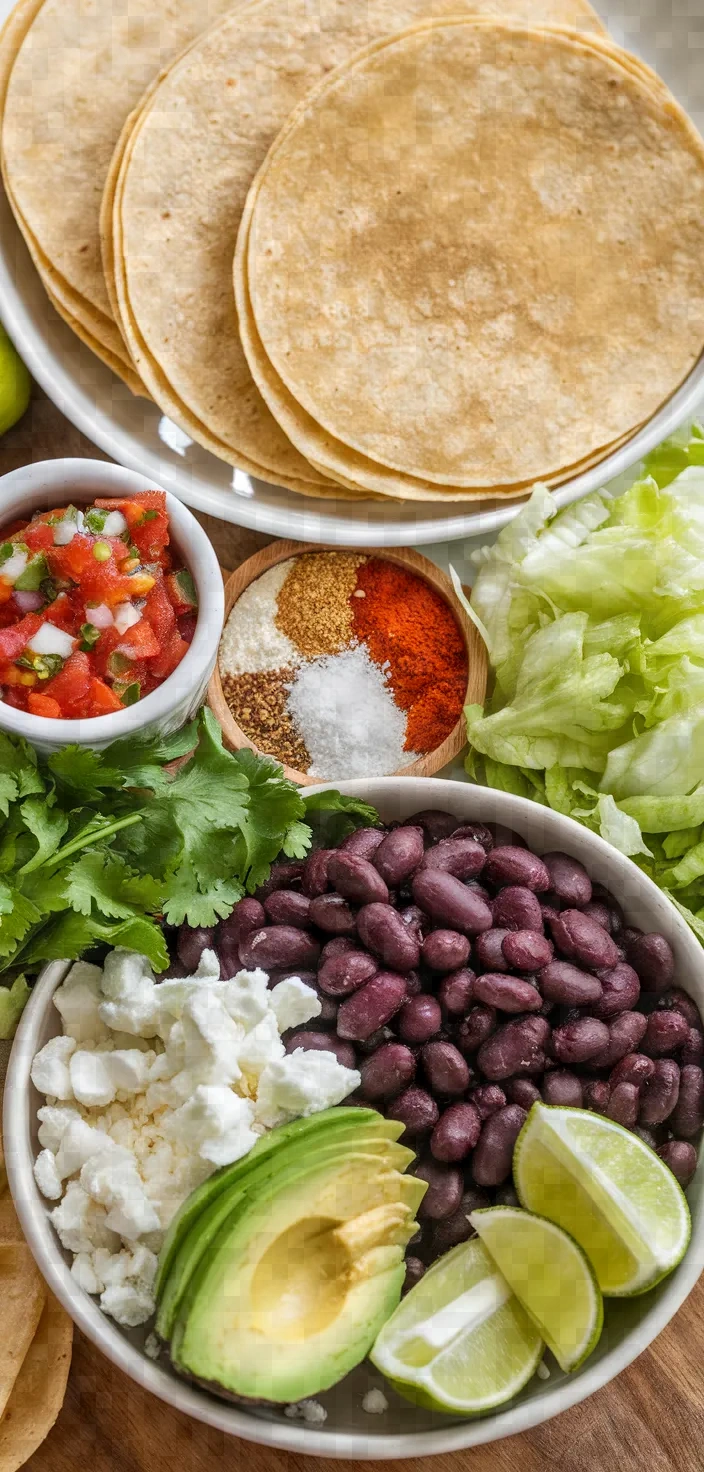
{"type": "Point", "coordinates": [159, 612]}
{"type": "Point", "coordinates": [16, 697]}
{"type": "Point", "coordinates": [171, 655]}
{"type": "Point", "coordinates": [71, 687]}
{"type": "Point", "coordinates": [73, 560]}
{"type": "Point", "coordinates": [9, 613]}
{"type": "Point", "coordinates": [6, 590]}
{"type": "Point", "coordinates": [102, 699]}
{"type": "Point", "coordinates": [14, 638]}
{"type": "Point", "coordinates": [38, 537]}
{"type": "Point", "coordinates": [149, 533]}
{"type": "Point", "coordinates": [139, 642]}
{"type": "Point", "coordinates": [181, 590]}
{"type": "Point", "coordinates": [43, 705]}
{"type": "Point", "coordinates": [63, 613]}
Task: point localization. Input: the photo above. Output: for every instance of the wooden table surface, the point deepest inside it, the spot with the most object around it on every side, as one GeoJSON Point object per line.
{"type": "Point", "coordinates": [649, 1420]}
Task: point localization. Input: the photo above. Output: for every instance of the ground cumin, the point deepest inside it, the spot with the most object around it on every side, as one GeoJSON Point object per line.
{"type": "Point", "coordinates": [405, 622]}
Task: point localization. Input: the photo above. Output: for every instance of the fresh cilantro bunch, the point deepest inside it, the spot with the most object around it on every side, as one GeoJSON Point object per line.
{"type": "Point", "coordinates": [97, 847]}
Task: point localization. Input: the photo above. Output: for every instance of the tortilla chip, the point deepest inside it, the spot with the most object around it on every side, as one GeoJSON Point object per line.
{"type": "Point", "coordinates": [38, 1392]}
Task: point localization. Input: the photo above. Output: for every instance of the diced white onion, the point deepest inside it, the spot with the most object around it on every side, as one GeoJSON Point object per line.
{"type": "Point", "coordinates": [64, 532]}
{"type": "Point", "coordinates": [114, 524]}
{"type": "Point", "coordinates": [28, 602]}
{"type": "Point", "coordinates": [125, 617]}
{"type": "Point", "coordinates": [99, 615]}
{"type": "Point", "coordinates": [14, 566]}
{"type": "Point", "coordinates": [50, 640]}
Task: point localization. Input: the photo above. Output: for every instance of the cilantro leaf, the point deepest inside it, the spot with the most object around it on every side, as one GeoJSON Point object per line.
{"type": "Point", "coordinates": [186, 902]}
{"type": "Point", "coordinates": [104, 880]}
{"type": "Point", "coordinates": [69, 936]}
{"type": "Point", "coordinates": [332, 801]}
{"type": "Point", "coordinates": [81, 770]}
{"type": "Point", "coordinates": [48, 825]}
{"type": "Point", "coordinates": [8, 793]}
{"type": "Point", "coordinates": [296, 840]}
{"type": "Point", "coordinates": [17, 916]}
{"type": "Point", "coordinates": [13, 1000]}
{"type": "Point", "coordinates": [18, 760]}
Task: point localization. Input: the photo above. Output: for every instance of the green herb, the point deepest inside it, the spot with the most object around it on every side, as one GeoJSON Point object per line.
{"type": "Point", "coordinates": [43, 665]}
{"type": "Point", "coordinates": [33, 576]}
{"type": "Point", "coordinates": [48, 590]}
{"type": "Point", "coordinates": [128, 694]}
{"type": "Point", "coordinates": [148, 516]}
{"type": "Point", "coordinates": [12, 1003]}
{"type": "Point", "coordinates": [89, 636]}
{"type": "Point", "coordinates": [594, 619]}
{"type": "Point", "coordinates": [95, 847]}
{"type": "Point", "coordinates": [95, 519]}
{"type": "Point", "coordinates": [6, 551]}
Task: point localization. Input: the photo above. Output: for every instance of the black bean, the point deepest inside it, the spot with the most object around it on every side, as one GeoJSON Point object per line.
{"type": "Point", "coordinates": [278, 946]}
{"type": "Point", "coordinates": [419, 1019]}
{"type": "Point", "coordinates": [364, 841]}
{"type": "Point", "coordinates": [488, 1098]}
{"type": "Point", "coordinates": [287, 907]}
{"type": "Point", "coordinates": [415, 1109]}
{"type": "Point", "coordinates": [357, 880]}
{"type": "Point", "coordinates": [342, 974]}
{"type": "Point", "coordinates": [322, 1042]}
{"type": "Point", "coordinates": [475, 1028]}
{"type": "Point", "coordinates": [633, 1068]}
{"type": "Point", "coordinates": [444, 1193]}
{"type": "Point", "coordinates": [681, 1157]}
{"type": "Point", "coordinates": [507, 993]}
{"type": "Point", "coordinates": [372, 1006]}
{"type": "Point", "coordinates": [509, 865]}
{"type": "Point", "coordinates": [582, 939]}
{"type": "Point", "coordinates": [522, 1091]}
{"type": "Point", "coordinates": [489, 951]}
{"type": "Point", "coordinates": [625, 1034]}
{"type": "Point", "coordinates": [562, 982]}
{"type": "Point", "coordinates": [449, 1232]}
{"type": "Point", "coordinates": [596, 1095]}
{"type": "Point", "coordinates": [620, 991]}
{"type": "Point", "coordinates": [526, 950]}
{"type": "Point", "coordinates": [455, 992]}
{"type": "Point", "coordinates": [623, 1105]}
{"type": "Point", "coordinates": [333, 915]}
{"type": "Point", "coordinates": [248, 915]}
{"type": "Point", "coordinates": [479, 832]}
{"type": "Point", "coordinates": [445, 1068]}
{"type": "Point", "coordinates": [516, 908]}
{"type": "Point", "coordinates": [493, 1154]}
{"type": "Point", "coordinates": [449, 902]}
{"type": "Point", "coordinates": [516, 1047]}
{"type": "Point", "coordinates": [569, 880]}
{"type": "Point", "coordinates": [435, 823]}
{"type": "Point", "coordinates": [387, 1072]}
{"type": "Point", "coordinates": [687, 1116]}
{"type": "Point", "coordinates": [399, 855]}
{"type": "Point", "coordinates": [660, 1093]}
{"type": "Point", "coordinates": [284, 874]}
{"type": "Point", "coordinates": [459, 856]}
{"type": "Point", "coordinates": [383, 932]}
{"type": "Point", "coordinates": [665, 1032]}
{"type": "Point", "coordinates": [651, 956]}
{"type": "Point", "coordinates": [578, 1041]}
{"type": "Point", "coordinates": [445, 950]}
{"type": "Point", "coordinates": [677, 1000]}
{"type": "Point", "coordinates": [314, 879]}
{"type": "Point", "coordinates": [456, 1132]}
{"type": "Point", "coordinates": [414, 1272]}
{"type": "Point", "coordinates": [563, 1087]}
{"type": "Point", "coordinates": [192, 941]}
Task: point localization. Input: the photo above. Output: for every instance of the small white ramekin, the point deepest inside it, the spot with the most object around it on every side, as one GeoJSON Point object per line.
{"type": "Point", "coordinates": [54, 483]}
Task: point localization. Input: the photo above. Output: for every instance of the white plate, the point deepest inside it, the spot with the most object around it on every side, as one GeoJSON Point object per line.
{"type": "Point", "coordinates": [667, 33]}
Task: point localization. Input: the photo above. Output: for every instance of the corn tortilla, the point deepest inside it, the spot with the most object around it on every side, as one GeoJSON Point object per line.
{"type": "Point", "coordinates": [186, 167]}
{"type": "Point", "coordinates": [39, 1389]}
{"type": "Point", "coordinates": [473, 333]}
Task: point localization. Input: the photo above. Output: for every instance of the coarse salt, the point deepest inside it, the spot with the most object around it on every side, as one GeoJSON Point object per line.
{"type": "Point", "coordinates": [348, 718]}
{"type": "Point", "coordinates": [251, 642]}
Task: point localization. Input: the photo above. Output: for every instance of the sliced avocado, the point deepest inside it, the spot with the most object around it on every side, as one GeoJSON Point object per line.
{"type": "Point", "coordinates": [298, 1280]}
{"type": "Point", "coordinates": [196, 1241]}
{"type": "Point", "coordinates": [285, 1135]}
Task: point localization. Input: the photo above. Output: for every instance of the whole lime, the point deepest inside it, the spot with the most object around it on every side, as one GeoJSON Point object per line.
{"type": "Point", "coordinates": [15, 384]}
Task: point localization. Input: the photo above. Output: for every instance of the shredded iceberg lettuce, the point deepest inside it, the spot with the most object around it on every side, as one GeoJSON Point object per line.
{"type": "Point", "coordinates": [594, 621]}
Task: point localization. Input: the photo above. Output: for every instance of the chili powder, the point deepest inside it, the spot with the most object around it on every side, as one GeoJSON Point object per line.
{"type": "Point", "coordinates": [407, 624]}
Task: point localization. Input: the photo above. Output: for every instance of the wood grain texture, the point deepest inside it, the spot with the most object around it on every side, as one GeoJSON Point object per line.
{"type": "Point", "coordinates": [405, 557]}
{"type": "Point", "coordinates": [651, 1419]}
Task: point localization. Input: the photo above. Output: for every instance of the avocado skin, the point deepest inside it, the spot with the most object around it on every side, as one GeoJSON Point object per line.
{"type": "Point", "coordinates": [195, 1244]}
{"type": "Point", "coordinates": [232, 1328]}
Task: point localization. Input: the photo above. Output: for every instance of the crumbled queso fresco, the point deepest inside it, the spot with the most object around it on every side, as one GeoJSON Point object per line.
{"type": "Point", "coordinates": [151, 1087]}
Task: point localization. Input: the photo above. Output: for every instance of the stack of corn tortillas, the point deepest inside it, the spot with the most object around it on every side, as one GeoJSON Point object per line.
{"type": "Point", "coordinates": [467, 260]}
{"type": "Point", "coordinates": [35, 1350]}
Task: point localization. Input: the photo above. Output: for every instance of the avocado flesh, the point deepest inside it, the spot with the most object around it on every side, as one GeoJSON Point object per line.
{"type": "Point", "coordinates": [274, 1140]}
{"type": "Point", "coordinates": [368, 1140]}
{"type": "Point", "coordinates": [299, 1279]}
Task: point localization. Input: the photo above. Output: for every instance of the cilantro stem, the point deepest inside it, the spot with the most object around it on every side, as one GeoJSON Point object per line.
{"type": "Point", "coordinates": [85, 840]}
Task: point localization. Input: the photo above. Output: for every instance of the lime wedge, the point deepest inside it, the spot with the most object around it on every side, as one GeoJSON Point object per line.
{"type": "Point", "coordinates": [551, 1277]}
{"type": "Point", "coordinates": [609, 1190]}
{"type": "Point", "coordinates": [460, 1340]}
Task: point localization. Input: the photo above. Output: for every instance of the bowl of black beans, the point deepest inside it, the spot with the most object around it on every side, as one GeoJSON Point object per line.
{"type": "Point", "coordinates": [473, 953]}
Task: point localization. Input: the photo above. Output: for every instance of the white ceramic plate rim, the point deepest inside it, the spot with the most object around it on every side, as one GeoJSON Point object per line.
{"type": "Point", "coordinates": [490, 805]}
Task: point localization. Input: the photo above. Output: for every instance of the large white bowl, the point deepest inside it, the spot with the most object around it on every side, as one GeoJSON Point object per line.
{"type": "Point", "coordinates": [50, 483]}
{"type": "Point", "coordinates": [133, 431]}
{"type": "Point", "coordinates": [404, 1431]}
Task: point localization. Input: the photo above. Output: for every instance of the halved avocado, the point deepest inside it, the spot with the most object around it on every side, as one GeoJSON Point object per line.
{"type": "Point", "coordinates": [369, 1140]}
{"type": "Point", "coordinates": [299, 1279]}
{"type": "Point", "coordinates": [274, 1140]}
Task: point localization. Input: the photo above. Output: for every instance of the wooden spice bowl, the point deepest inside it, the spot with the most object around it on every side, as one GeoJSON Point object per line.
{"type": "Point", "coordinates": [233, 735]}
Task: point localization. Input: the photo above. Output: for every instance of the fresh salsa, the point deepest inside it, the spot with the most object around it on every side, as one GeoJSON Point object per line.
{"type": "Point", "coordinates": [94, 610]}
